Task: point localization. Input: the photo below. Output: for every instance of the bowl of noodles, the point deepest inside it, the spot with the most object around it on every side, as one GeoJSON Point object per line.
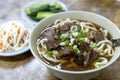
{"type": "Point", "coordinates": [14, 37]}
{"type": "Point", "coordinates": [75, 45]}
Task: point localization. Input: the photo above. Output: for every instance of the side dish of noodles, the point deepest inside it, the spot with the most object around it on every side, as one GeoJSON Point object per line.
{"type": "Point", "coordinates": [13, 36]}
{"type": "Point", "coordinates": [75, 45]}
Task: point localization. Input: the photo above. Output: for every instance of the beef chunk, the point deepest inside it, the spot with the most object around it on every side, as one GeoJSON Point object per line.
{"type": "Point", "coordinates": [90, 35]}
{"type": "Point", "coordinates": [67, 50]}
{"type": "Point", "coordinates": [49, 33]}
{"type": "Point", "coordinates": [90, 57]}
{"type": "Point", "coordinates": [79, 59]}
{"type": "Point", "coordinates": [99, 36]}
{"type": "Point", "coordinates": [66, 53]}
{"type": "Point", "coordinates": [44, 33]}
{"type": "Point", "coordinates": [66, 56]}
{"type": "Point", "coordinates": [52, 44]}
{"type": "Point", "coordinates": [84, 47]}
{"type": "Point", "coordinates": [66, 27]}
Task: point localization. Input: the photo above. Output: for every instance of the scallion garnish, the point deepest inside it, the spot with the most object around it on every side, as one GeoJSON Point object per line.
{"type": "Point", "coordinates": [76, 50]}
{"type": "Point", "coordinates": [65, 43]}
{"type": "Point", "coordinates": [93, 45]}
{"type": "Point", "coordinates": [85, 54]}
{"type": "Point", "coordinates": [49, 53]}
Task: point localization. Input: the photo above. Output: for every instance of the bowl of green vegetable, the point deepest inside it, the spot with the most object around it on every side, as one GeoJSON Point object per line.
{"type": "Point", "coordinates": [39, 9]}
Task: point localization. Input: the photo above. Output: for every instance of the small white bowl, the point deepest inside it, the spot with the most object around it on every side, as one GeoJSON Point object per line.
{"type": "Point", "coordinates": [79, 15]}
{"type": "Point", "coordinates": [28, 19]}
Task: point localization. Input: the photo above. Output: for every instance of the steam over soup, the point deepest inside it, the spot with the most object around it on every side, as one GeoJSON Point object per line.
{"type": "Point", "coordinates": [75, 45]}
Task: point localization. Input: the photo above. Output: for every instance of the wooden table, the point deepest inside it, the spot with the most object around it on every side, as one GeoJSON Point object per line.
{"type": "Point", "coordinates": [26, 67]}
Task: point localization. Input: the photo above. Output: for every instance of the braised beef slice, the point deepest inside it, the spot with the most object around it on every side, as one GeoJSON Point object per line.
{"type": "Point", "coordinates": [44, 34]}
{"type": "Point", "coordinates": [52, 44]}
{"type": "Point", "coordinates": [86, 60]}
{"type": "Point", "coordinates": [66, 27]}
{"type": "Point", "coordinates": [67, 50]}
{"type": "Point", "coordinates": [66, 56]}
{"type": "Point", "coordinates": [49, 33]}
{"type": "Point", "coordinates": [90, 35]}
{"type": "Point", "coordinates": [66, 53]}
{"type": "Point", "coordinates": [99, 36]}
{"type": "Point", "coordinates": [79, 59]}
{"type": "Point", "coordinates": [84, 47]}
{"type": "Point", "coordinates": [90, 57]}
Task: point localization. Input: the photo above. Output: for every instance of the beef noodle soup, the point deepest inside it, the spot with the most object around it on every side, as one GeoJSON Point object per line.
{"type": "Point", "coordinates": [75, 45]}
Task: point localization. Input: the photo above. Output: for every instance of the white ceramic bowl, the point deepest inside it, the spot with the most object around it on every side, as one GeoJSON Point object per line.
{"type": "Point", "coordinates": [80, 15]}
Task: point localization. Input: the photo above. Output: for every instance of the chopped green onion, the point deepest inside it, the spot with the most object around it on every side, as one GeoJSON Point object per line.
{"type": "Point", "coordinates": [74, 28]}
{"type": "Point", "coordinates": [97, 66]}
{"type": "Point", "coordinates": [85, 54]}
{"type": "Point", "coordinates": [49, 52]}
{"type": "Point", "coordinates": [93, 45]}
{"type": "Point", "coordinates": [81, 36]}
{"type": "Point", "coordinates": [55, 52]}
{"type": "Point", "coordinates": [62, 44]}
{"type": "Point", "coordinates": [56, 37]}
{"type": "Point", "coordinates": [99, 60]}
{"type": "Point", "coordinates": [76, 50]}
{"type": "Point", "coordinates": [75, 46]}
{"type": "Point", "coordinates": [70, 44]}
{"type": "Point", "coordinates": [81, 39]}
{"type": "Point", "coordinates": [72, 40]}
{"type": "Point", "coordinates": [82, 33]}
{"type": "Point", "coordinates": [65, 43]}
{"type": "Point", "coordinates": [78, 43]}
{"type": "Point", "coordinates": [56, 30]}
{"type": "Point", "coordinates": [63, 36]}
{"type": "Point", "coordinates": [75, 34]}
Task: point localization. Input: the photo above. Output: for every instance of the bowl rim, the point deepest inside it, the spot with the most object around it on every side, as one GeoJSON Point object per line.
{"type": "Point", "coordinates": [74, 72]}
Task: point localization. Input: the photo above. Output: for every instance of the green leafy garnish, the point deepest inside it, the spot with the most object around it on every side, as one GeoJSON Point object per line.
{"type": "Point", "coordinates": [94, 45]}
{"type": "Point", "coordinates": [85, 54]}
{"type": "Point", "coordinates": [49, 53]}
{"type": "Point", "coordinates": [70, 44]}
{"type": "Point", "coordinates": [76, 50]}
{"type": "Point", "coordinates": [64, 36]}
{"type": "Point", "coordinates": [56, 30]}
{"type": "Point", "coordinates": [65, 43]}
{"type": "Point", "coordinates": [75, 34]}
{"type": "Point", "coordinates": [81, 35]}
{"type": "Point", "coordinates": [74, 28]}
{"type": "Point", "coordinates": [56, 37]}
{"type": "Point", "coordinates": [81, 39]}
